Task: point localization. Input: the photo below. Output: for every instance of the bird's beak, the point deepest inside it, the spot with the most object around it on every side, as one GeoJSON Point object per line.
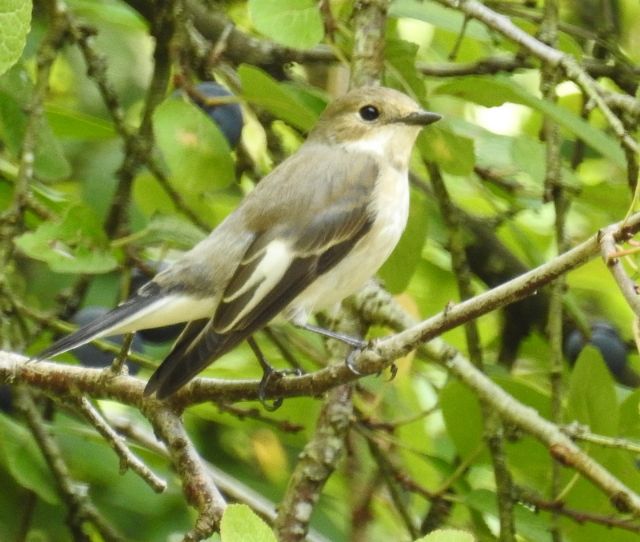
{"type": "Point", "coordinates": [420, 118]}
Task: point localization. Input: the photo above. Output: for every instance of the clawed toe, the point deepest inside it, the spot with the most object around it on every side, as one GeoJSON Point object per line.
{"type": "Point", "coordinates": [268, 376]}
{"type": "Point", "coordinates": [351, 359]}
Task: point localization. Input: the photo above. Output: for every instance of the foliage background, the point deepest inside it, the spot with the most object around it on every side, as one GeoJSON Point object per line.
{"type": "Point", "coordinates": [105, 170]}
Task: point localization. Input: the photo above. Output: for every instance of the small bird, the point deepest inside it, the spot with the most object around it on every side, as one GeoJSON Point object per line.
{"type": "Point", "coordinates": [310, 233]}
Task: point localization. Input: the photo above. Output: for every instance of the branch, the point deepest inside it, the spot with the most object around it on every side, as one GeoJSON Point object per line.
{"type": "Point", "coordinates": [576, 515]}
{"type": "Point", "coordinates": [316, 463]}
{"type": "Point", "coordinates": [60, 379]}
{"type": "Point", "coordinates": [240, 47]}
{"type": "Point", "coordinates": [128, 459]}
{"type": "Point", "coordinates": [229, 485]}
{"type": "Point", "coordinates": [579, 431]}
{"type": "Point", "coordinates": [197, 485]}
{"type": "Point", "coordinates": [493, 430]}
{"type": "Point", "coordinates": [628, 288]}
{"type": "Point", "coordinates": [367, 61]}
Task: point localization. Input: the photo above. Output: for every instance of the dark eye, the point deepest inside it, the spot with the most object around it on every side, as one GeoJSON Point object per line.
{"type": "Point", "coordinates": [369, 113]}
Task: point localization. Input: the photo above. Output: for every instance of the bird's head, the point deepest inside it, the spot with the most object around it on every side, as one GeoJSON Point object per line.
{"type": "Point", "coordinates": [372, 118]}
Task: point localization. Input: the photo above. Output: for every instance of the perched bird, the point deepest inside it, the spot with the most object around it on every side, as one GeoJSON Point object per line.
{"type": "Point", "coordinates": [310, 234]}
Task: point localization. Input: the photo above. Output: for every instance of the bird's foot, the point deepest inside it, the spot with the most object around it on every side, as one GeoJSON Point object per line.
{"type": "Point", "coordinates": [358, 348]}
{"type": "Point", "coordinates": [270, 375]}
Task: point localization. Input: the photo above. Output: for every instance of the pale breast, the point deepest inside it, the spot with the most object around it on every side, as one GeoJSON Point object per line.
{"type": "Point", "coordinates": [391, 209]}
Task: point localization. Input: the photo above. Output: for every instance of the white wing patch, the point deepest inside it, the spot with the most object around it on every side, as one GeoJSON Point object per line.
{"type": "Point", "coordinates": [276, 259]}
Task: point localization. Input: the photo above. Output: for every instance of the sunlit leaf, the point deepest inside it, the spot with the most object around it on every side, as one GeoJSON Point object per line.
{"type": "Point", "coordinates": [194, 148]}
{"type": "Point", "coordinates": [440, 17]}
{"type": "Point", "coordinates": [74, 124]}
{"type": "Point", "coordinates": [241, 524]}
{"type": "Point", "coordinates": [462, 417]}
{"type": "Point", "coordinates": [15, 22]}
{"type": "Point", "coordinates": [77, 244]}
{"type": "Point", "coordinates": [494, 91]}
{"type": "Point", "coordinates": [447, 535]}
{"type": "Point", "coordinates": [592, 397]}
{"type": "Point", "coordinates": [453, 153]}
{"type": "Point", "coordinates": [21, 457]}
{"type": "Point", "coordinates": [264, 91]}
{"type": "Point", "coordinates": [295, 23]}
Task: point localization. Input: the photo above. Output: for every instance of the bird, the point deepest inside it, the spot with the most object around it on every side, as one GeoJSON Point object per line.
{"type": "Point", "coordinates": [310, 234]}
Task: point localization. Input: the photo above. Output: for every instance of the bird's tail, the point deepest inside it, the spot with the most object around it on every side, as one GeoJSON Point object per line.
{"type": "Point", "coordinates": [198, 346]}
{"type": "Point", "coordinates": [123, 319]}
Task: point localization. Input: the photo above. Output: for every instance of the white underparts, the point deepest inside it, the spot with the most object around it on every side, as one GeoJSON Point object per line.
{"type": "Point", "coordinates": [171, 309]}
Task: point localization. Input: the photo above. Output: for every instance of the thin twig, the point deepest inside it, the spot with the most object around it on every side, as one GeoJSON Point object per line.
{"type": "Point", "coordinates": [579, 431]}
{"type": "Point", "coordinates": [578, 516]}
{"type": "Point", "coordinates": [197, 485]}
{"type": "Point", "coordinates": [128, 459]}
{"type": "Point", "coordinates": [628, 288]}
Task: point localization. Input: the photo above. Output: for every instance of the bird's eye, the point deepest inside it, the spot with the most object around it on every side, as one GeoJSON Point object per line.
{"type": "Point", "coordinates": [369, 113]}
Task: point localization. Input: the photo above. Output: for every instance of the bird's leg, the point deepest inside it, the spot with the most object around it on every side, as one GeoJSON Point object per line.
{"type": "Point", "coordinates": [357, 345]}
{"type": "Point", "coordinates": [268, 374]}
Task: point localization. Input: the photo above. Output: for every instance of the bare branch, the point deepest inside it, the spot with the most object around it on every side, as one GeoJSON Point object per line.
{"type": "Point", "coordinates": [127, 458]}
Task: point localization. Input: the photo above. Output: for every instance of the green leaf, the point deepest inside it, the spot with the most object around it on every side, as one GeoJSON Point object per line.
{"type": "Point", "coordinates": [401, 265]}
{"type": "Point", "coordinates": [195, 150]}
{"type": "Point", "coordinates": [401, 69]}
{"type": "Point", "coordinates": [75, 124]}
{"type": "Point", "coordinates": [15, 22]}
{"type": "Point", "coordinates": [168, 229]}
{"type": "Point", "coordinates": [462, 417]}
{"type": "Point", "coordinates": [112, 13]}
{"type": "Point", "coordinates": [531, 526]}
{"type": "Point", "coordinates": [592, 396]}
{"type": "Point", "coordinates": [15, 91]}
{"type": "Point", "coordinates": [294, 23]}
{"type": "Point", "coordinates": [447, 535]}
{"type": "Point", "coordinates": [630, 416]}
{"type": "Point", "coordinates": [22, 459]}
{"type": "Point", "coordinates": [494, 91]}
{"type": "Point", "coordinates": [264, 91]}
{"type": "Point", "coordinates": [241, 524]}
{"type": "Point", "coordinates": [77, 244]}
{"type": "Point", "coordinates": [454, 153]}
{"type": "Point", "coordinates": [440, 17]}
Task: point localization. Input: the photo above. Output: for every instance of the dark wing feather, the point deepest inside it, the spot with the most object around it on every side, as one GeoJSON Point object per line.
{"type": "Point", "coordinates": [181, 346]}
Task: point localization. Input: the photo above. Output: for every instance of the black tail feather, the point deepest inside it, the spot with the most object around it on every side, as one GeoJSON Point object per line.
{"type": "Point", "coordinates": [196, 348]}
{"type": "Point", "coordinates": [98, 326]}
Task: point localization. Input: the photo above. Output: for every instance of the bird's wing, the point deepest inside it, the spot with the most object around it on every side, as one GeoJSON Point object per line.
{"type": "Point", "coordinates": [277, 266]}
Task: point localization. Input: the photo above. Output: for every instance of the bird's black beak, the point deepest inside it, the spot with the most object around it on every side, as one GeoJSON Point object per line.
{"type": "Point", "coordinates": [420, 118]}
